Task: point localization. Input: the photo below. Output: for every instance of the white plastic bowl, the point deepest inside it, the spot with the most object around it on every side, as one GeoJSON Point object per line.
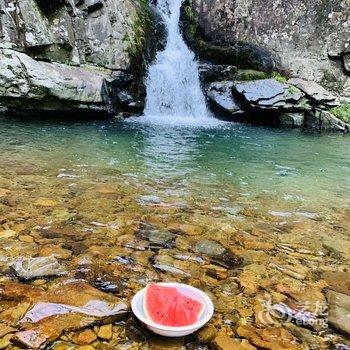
{"type": "Point", "coordinates": [168, 331]}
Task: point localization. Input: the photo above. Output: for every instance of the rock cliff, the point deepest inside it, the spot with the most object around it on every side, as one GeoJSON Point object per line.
{"type": "Point", "coordinates": [62, 54]}
{"type": "Point", "coordinates": [301, 38]}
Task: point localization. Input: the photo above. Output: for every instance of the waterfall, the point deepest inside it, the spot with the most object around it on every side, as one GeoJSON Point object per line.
{"type": "Point", "coordinates": [174, 94]}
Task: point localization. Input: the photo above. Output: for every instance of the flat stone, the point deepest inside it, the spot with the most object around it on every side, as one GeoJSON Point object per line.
{"type": "Point", "coordinates": [221, 97]}
{"type": "Point", "coordinates": [217, 252]}
{"type": "Point", "coordinates": [156, 237]}
{"type": "Point", "coordinates": [161, 343]}
{"type": "Point", "coordinates": [313, 90]}
{"type": "Point", "coordinates": [105, 332]}
{"type": "Point", "coordinates": [85, 337]}
{"type": "Point", "coordinates": [65, 306]}
{"type": "Point", "coordinates": [268, 338]}
{"type": "Point", "coordinates": [257, 90]}
{"type": "Point", "coordinates": [339, 310]}
{"type": "Point", "coordinates": [30, 268]}
{"type": "Point", "coordinates": [210, 248]}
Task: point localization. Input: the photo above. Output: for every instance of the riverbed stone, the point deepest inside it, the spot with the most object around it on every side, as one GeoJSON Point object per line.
{"type": "Point", "coordinates": [268, 338]}
{"type": "Point", "coordinates": [30, 268]}
{"type": "Point", "coordinates": [206, 334]}
{"type": "Point", "coordinates": [339, 310]}
{"type": "Point", "coordinates": [66, 305]}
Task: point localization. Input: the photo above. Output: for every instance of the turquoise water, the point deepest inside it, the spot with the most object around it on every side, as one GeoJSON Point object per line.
{"type": "Point", "coordinates": [272, 167]}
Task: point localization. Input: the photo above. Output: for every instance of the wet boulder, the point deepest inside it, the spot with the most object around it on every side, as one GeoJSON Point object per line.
{"type": "Point", "coordinates": [221, 98]}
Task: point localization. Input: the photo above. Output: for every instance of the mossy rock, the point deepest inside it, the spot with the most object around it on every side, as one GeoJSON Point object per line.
{"type": "Point", "coordinates": [342, 112]}
{"type": "Point", "coordinates": [249, 74]}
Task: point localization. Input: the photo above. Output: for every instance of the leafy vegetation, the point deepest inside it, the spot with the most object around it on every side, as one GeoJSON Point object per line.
{"type": "Point", "coordinates": [137, 41]}
{"type": "Point", "coordinates": [342, 112]}
{"type": "Point", "coordinates": [280, 78]}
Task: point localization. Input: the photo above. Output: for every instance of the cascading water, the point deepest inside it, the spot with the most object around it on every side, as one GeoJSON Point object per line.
{"type": "Point", "coordinates": [174, 93]}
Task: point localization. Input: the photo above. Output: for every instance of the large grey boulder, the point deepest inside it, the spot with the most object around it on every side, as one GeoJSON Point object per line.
{"type": "Point", "coordinates": [267, 94]}
{"type": "Point", "coordinates": [221, 98]}
{"type": "Point", "coordinates": [29, 84]}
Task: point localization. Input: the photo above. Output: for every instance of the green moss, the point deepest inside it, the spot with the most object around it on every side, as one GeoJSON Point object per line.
{"type": "Point", "coordinates": [304, 103]}
{"type": "Point", "coordinates": [136, 42]}
{"type": "Point", "coordinates": [250, 74]}
{"type": "Point", "coordinates": [342, 112]}
{"type": "Point", "coordinates": [279, 77]}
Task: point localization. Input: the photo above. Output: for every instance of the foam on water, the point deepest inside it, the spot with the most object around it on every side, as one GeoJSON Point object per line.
{"type": "Point", "coordinates": [174, 94]}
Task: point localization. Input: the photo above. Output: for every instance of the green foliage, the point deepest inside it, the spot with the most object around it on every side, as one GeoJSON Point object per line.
{"type": "Point", "coordinates": [292, 89]}
{"type": "Point", "coordinates": [137, 41]}
{"type": "Point", "coordinates": [279, 77]}
{"type": "Point", "coordinates": [249, 74]}
{"type": "Point", "coordinates": [342, 112]}
{"type": "Point", "coordinates": [304, 104]}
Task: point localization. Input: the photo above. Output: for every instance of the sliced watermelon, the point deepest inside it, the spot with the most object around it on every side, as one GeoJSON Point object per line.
{"type": "Point", "coordinates": [168, 307]}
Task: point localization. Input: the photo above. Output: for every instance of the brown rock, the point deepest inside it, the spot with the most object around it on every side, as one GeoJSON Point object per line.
{"type": "Point", "coordinates": [268, 338]}
{"type": "Point", "coordinates": [105, 332]}
{"type": "Point", "coordinates": [339, 310]}
{"type": "Point", "coordinates": [4, 192]}
{"type": "Point", "coordinates": [65, 306]}
{"type": "Point", "coordinates": [206, 334]}
{"type": "Point", "coordinates": [338, 281]}
{"type": "Point", "coordinates": [224, 342]}
{"type": "Point", "coordinates": [44, 202]}
{"type": "Point", "coordinates": [158, 343]}
{"type": "Point", "coordinates": [5, 341]}
{"type": "Point", "coordinates": [26, 238]}
{"type": "Point", "coordinates": [7, 233]}
{"type": "Point", "coordinates": [55, 250]}
{"type": "Point", "coordinates": [85, 337]}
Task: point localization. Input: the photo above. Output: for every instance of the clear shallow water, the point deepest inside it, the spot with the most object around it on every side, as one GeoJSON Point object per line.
{"type": "Point", "coordinates": [250, 215]}
{"type": "Point", "coordinates": [281, 167]}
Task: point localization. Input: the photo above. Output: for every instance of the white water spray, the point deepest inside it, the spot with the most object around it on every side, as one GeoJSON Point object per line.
{"type": "Point", "coordinates": [174, 94]}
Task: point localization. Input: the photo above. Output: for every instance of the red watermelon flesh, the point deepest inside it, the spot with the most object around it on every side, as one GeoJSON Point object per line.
{"type": "Point", "coordinates": [169, 307]}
